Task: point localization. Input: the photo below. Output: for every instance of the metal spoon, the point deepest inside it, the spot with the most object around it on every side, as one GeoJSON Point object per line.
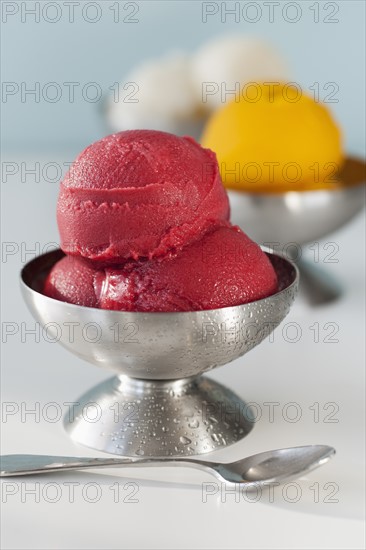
{"type": "Point", "coordinates": [262, 468]}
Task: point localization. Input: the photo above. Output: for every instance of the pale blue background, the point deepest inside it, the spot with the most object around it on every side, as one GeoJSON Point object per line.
{"type": "Point", "coordinates": [104, 51]}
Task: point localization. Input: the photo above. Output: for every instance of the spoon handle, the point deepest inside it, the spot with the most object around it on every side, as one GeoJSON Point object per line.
{"type": "Point", "coordinates": [21, 465]}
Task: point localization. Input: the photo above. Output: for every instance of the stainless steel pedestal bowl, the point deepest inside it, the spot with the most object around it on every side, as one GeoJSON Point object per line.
{"type": "Point", "coordinates": [159, 404]}
{"type": "Point", "coordinates": [300, 217]}
{"type": "Point", "coordinates": [287, 221]}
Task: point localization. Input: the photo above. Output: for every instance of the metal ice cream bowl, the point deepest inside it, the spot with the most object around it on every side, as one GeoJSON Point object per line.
{"type": "Point", "coordinates": [158, 356]}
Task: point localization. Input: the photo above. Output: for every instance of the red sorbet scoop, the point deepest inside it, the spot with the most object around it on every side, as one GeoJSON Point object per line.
{"type": "Point", "coordinates": [139, 194]}
{"type": "Point", "coordinates": [72, 280]}
{"type": "Point", "coordinates": [224, 268]}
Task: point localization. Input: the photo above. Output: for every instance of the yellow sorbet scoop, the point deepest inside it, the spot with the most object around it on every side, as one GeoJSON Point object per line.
{"type": "Point", "coordinates": [275, 138]}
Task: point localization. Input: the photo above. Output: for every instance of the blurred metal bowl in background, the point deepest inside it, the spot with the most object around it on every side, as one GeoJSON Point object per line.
{"type": "Point", "coordinates": [300, 217]}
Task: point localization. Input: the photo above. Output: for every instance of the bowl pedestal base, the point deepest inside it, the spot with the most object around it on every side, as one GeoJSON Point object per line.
{"type": "Point", "coordinates": [158, 418]}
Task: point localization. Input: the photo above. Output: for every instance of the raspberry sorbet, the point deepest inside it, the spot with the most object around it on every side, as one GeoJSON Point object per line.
{"type": "Point", "coordinates": [144, 223]}
{"type": "Point", "coordinates": [224, 268]}
{"type": "Point", "coordinates": [139, 194]}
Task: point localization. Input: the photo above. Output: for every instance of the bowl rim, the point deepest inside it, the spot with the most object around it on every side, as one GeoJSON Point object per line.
{"type": "Point", "coordinates": [57, 252]}
{"type": "Point", "coordinates": [345, 189]}
{"type": "Point", "coordinates": [341, 188]}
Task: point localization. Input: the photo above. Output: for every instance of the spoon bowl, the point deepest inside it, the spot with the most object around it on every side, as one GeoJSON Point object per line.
{"type": "Point", "coordinates": [276, 466]}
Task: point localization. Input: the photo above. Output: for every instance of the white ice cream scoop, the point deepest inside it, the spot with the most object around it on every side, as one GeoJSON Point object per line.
{"type": "Point", "coordinates": [227, 63]}
{"type": "Point", "coordinates": [158, 95]}
{"type": "Point", "coordinates": [177, 92]}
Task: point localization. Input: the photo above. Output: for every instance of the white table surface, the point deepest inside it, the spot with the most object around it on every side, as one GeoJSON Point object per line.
{"type": "Point", "coordinates": [171, 511]}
